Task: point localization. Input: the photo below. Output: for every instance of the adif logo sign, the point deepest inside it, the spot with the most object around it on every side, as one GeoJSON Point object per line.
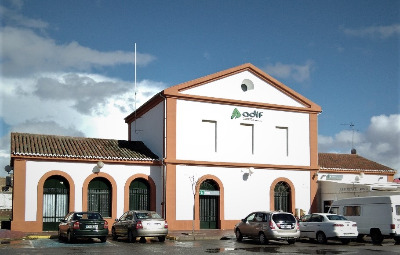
{"type": "Point", "coordinates": [254, 116]}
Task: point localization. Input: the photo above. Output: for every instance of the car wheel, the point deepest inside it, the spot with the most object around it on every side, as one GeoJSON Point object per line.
{"type": "Point", "coordinates": [70, 237]}
{"type": "Point", "coordinates": [262, 238]}
{"type": "Point", "coordinates": [131, 238]}
{"type": "Point", "coordinates": [161, 238]}
{"type": "Point", "coordinates": [239, 236]}
{"type": "Point", "coordinates": [291, 241]}
{"type": "Point", "coordinates": [114, 235]}
{"type": "Point", "coordinates": [142, 239]}
{"type": "Point", "coordinates": [376, 236]}
{"type": "Point", "coordinates": [397, 240]}
{"type": "Point", "coordinates": [321, 238]}
{"type": "Point", "coordinates": [345, 241]}
{"type": "Point", "coordinates": [103, 239]}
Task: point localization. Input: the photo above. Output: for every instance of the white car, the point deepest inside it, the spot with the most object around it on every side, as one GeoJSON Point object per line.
{"type": "Point", "coordinates": [324, 226]}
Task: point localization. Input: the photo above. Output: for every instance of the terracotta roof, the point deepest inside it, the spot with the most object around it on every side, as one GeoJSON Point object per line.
{"type": "Point", "coordinates": [52, 146]}
{"type": "Point", "coordinates": [349, 162]}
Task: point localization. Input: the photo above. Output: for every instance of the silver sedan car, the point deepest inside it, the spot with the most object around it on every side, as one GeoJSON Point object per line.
{"type": "Point", "coordinates": [133, 224]}
{"type": "Point", "coordinates": [266, 226]}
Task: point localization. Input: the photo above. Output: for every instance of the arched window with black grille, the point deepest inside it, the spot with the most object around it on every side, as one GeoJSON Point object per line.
{"type": "Point", "coordinates": [139, 195]}
{"type": "Point", "coordinates": [99, 196]}
{"type": "Point", "coordinates": [282, 194]}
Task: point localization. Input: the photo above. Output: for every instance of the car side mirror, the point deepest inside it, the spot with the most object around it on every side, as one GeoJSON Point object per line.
{"type": "Point", "coordinates": [116, 220]}
{"type": "Point", "coordinates": [244, 220]}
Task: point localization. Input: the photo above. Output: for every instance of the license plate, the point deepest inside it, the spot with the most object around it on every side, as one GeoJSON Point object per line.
{"type": "Point", "coordinates": [91, 226]}
{"type": "Point", "coordinates": [286, 226]}
{"type": "Point", "coordinates": [153, 225]}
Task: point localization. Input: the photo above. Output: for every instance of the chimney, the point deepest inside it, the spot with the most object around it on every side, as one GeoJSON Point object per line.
{"type": "Point", "coordinates": [353, 151]}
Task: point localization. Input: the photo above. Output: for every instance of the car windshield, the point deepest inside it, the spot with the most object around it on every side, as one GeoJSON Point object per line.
{"type": "Point", "coordinates": [283, 217]}
{"type": "Point", "coordinates": [87, 216]}
{"type": "Point", "coordinates": [336, 217]}
{"type": "Point", "coordinates": [147, 215]}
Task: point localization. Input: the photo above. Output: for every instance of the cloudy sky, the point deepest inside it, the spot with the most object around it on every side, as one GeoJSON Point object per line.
{"type": "Point", "coordinates": [67, 67]}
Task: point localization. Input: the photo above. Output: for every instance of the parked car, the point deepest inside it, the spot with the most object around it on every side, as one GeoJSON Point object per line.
{"type": "Point", "coordinates": [267, 226]}
{"type": "Point", "coordinates": [133, 224]}
{"type": "Point", "coordinates": [324, 226]}
{"type": "Point", "coordinates": [83, 225]}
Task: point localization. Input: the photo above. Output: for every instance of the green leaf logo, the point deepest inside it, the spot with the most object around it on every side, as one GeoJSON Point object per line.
{"type": "Point", "coordinates": [235, 114]}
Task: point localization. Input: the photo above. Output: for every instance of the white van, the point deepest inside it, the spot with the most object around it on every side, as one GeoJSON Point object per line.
{"type": "Point", "coordinates": [378, 216]}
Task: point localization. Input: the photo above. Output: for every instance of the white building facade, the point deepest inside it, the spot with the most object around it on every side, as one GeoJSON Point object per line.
{"type": "Point", "coordinates": [230, 143]}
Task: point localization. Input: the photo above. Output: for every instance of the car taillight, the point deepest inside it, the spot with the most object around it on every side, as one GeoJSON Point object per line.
{"type": "Point", "coordinates": [297, 225]}
{"type": "Point", "coordinates": [354, 225]}
{"type": "Point", "coordinates": [139, 224]}
{"type": "Point", "coordinates": [392, 226]}
{"type": "Point", "coordinates": [271, 225]}
{"type": "Point", "coordinates": [338, 225]}
{"type": "Point", "coordinates": [166, 224]}
{"type": "Point", "coordinates": [76, 225]}
{"type": "Point", "coordinates": [105, 224]}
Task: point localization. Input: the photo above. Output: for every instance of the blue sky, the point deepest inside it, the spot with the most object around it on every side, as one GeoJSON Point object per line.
{"type": "Point", "coordinates": [67, 67]}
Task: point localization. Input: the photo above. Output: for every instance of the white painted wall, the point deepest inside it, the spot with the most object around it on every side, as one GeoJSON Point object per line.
{"type": "Point", "coordinates": [241, 196]}
{"type": "Point", "coordinates": [230, 88]}
{"type": "Point", "coordinates": [79, 172]}
{"type": "Point", "coordinates": [150, 129]}
{"type": "Point", "coordinates": [191, 141]}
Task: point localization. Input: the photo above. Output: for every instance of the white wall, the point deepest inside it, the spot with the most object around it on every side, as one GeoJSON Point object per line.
{"type": "Point", "coordinates": [150, 129]}
{"type": "Point", "coordinates": [230, 88]}
{"type": "Point", "coordinates": [241, 196]}
{"type": "Point", "coordinates": [267, 137]}
{"type": "Point", "coordinates": [79, 172]}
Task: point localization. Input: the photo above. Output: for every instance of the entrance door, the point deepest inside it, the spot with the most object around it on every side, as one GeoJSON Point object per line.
{"type": "Point", "coordinates": [209, 205]}
{"type": "Point", "coordinates": [55, 202]}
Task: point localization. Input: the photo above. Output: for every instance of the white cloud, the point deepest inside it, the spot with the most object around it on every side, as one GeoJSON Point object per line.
{"type": "Point", "coordinates": [379, 143]}
{"type": "Point", "coordinates": [382, 32]}
{"type": "Point", "coordinates": [299, 73]}
{"type": "Point", "coordinates": [24, 52]}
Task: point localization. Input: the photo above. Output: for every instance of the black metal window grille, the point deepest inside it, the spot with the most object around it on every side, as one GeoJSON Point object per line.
{"type": "Point", "coordinates": [139, 195]}
{"type": "Point", "coordinates": [282, 196]}
{"type": "Point", "coordinates": [99, 197]}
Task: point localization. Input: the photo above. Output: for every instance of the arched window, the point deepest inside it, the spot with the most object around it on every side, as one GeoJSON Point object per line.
{"type": "Point", "coordinates": [99, 196]}
{"type": "Point", "coordinates": [282, 194]}
{"type": "Point", "coordinates": [55, 201]}
{"type": "Point", "coordinates": [139, 195]}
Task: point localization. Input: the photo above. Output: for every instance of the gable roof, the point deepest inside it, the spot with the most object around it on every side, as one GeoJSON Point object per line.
{"type": "Point", "coordinates": [176, 92]}
{"type": "Point", "coordinates": [350, 162]}
{"type": "Point", "coordinates": [65, 147]}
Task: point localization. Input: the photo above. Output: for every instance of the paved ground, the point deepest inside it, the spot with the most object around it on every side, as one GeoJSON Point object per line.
{"type": "Point", "coordinates": [182, 235]}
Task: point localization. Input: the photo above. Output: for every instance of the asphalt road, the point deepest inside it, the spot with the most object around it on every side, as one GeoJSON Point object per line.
{"type": "Point", "coordinates": [230, 246]}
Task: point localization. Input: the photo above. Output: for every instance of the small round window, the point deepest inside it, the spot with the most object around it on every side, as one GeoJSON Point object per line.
{"type": "Point", "coordinates": [247, 85]}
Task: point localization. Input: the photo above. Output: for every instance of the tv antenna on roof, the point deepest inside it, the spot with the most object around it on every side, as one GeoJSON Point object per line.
{"type": "Point", "coordinates": [351, 124]}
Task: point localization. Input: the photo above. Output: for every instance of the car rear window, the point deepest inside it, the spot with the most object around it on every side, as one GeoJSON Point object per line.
{"type": "Point", "coordinates": [283, 217]}
{"type": "Point", "coordinates": [336, 217]}
{"type": "Point", "coordinates": [397, 209]}
{"type": "Point", "coordinates": [87, 216]}
{"type": "Point", "coordinates": [147, 215]}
